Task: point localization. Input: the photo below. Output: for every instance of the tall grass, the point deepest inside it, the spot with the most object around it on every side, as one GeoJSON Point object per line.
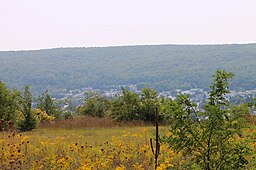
{"type": "Point", "coordinates": [251, 119]}
{"type": "Point", "coordinates": [89, 122]}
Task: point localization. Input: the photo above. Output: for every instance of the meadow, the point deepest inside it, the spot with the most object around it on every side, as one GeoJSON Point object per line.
{"type": "Point", "coordinates": [104, 146]}
{"type": "Point", "coordinates": [101, 148]}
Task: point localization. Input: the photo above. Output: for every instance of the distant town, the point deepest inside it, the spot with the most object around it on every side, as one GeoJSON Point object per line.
{"type": "Point", "coordinates": [197, 95]}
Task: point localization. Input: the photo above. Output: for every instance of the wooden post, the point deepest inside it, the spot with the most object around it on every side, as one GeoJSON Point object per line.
{"type": "Point", "coordinates": [157, 150]}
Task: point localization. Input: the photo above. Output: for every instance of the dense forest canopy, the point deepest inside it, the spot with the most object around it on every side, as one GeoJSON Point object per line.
{"type": "Point", "coordinates": [164, 67]}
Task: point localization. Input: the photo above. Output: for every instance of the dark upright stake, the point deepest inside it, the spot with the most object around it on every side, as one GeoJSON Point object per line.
{"type": "Point", "coordinates": [157, 151]}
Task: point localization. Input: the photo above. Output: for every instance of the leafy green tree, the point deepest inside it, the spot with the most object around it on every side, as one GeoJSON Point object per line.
{"type": "Point", "coordinates": [220, 88]}
{"type": "Point", "coordinates": [47, 104]}
{"type": "Point", "coordinates": [126, 106]}
{"type": "Point", "coordinates": [9, 104]}
{"type": "Point", "coordinates": [95, 105]}
{"type": "Point", "coordinates": [207, 139]}
{"type": "Point", "coordinates": [29, 122]}
{"type": "Point", "coordinates": [132, 106]}
{"type": "Point", "coordinates": [149, 102]}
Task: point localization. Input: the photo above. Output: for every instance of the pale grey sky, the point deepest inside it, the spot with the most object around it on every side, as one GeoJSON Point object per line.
{"type": "Point", "coordinates": [38, 24]}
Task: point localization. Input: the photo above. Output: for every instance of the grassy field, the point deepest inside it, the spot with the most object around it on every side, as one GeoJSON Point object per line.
{"type": "Point", "coordinates": [95, 148]}
{"type": "Point", "coordinates": [111, 148]}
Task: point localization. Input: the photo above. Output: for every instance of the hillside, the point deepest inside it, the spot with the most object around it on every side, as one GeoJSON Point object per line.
{"type": "Point", "coordinates": [161, 66]}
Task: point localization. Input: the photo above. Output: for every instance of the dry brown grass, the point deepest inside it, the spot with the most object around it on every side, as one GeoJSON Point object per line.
{"type": "Point", "coordinates": [89, 122]}
{"type": "Point", "coordinates": [251, 119]}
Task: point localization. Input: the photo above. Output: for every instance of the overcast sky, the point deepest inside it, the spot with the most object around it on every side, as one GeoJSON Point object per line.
{"type": "Point", "coordinates": [38, 24]}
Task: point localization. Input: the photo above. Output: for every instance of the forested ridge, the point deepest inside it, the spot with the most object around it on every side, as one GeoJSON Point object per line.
{"type": "Point", "coordinates": [164, 67]}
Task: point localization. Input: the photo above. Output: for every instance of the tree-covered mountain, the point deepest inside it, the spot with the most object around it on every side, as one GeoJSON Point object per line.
{"type": "Point", "coordinates": [163, 67]}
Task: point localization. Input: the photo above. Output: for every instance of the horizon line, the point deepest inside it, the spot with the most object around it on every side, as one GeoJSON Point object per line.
{"type": "Point", "coordinates": [127, 45]}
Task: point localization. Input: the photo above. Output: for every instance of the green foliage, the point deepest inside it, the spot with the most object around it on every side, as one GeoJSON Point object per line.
{"type": "Point", "coordinates": [95, 105]}
{"type": "Point", "coordinates": [252, 104]}
{"type": "Point", "coordinates": [162, 67]}
{"type": "Point", "coordinates": [132, 106]}
{"type": "Point", "coordinates": [220, 88]}
{"type": "Point", "coordinates": [126, 106]}
{"type": "Point", "coordinates": [47, 104]}
{"type": "Point", "coordinates": [148, 104]}
{"type": "Point", "coordinates": [208, 137]}
{"type": "Point", "coordinates": [29, 122]}
{"type": "Point", "coordinates": [9, 104]}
